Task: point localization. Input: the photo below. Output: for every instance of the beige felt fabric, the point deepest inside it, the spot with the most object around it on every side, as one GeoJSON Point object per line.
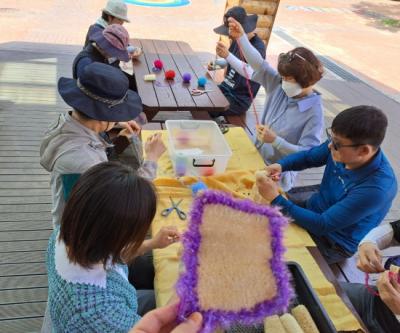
{"type": "Point", "coordinates": [290, 324]}
{"type": "Point", "coordinates": [273, 324]}
{"type": "Point", "coordinates": [304, 319]}
{"type": "Point", "coordinates": [234, 253]}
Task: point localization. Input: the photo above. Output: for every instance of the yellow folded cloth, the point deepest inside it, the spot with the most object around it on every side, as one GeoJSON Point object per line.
{"type": "Point", "coordinates": [237, 180]}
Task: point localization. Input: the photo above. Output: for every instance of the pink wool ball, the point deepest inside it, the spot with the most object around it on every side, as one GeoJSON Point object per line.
{"type": "Point", "coordinates": [158, 64]}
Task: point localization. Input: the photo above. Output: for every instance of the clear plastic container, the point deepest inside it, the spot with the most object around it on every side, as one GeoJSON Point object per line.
{"type": "Point", "coordinates": [197, 147]}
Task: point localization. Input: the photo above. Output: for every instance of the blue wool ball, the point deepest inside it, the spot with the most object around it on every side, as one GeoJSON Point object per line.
{"type": "Point", "coordinates": [199, 186]}
{"type": "Point", "coordinates": [202, 81]}
{"type": "Point", "coordinates": [186, 77]}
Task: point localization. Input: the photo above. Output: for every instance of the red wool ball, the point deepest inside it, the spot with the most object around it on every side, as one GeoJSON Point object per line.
{"type": "Point", "coordinates": [169, 75]}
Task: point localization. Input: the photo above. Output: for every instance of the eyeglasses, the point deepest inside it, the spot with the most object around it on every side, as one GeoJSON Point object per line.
{"type": "Point", "coordinates": [337, 145]}
{"type": "Point", "coordinates": [289, 57]}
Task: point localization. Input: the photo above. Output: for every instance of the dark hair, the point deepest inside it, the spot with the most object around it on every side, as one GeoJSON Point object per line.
{"type": "Point", "coordinates": [106, 16]}
{"type": "Point", "coordinates": [82, 115]}
{"type": "Point", "coordinates": [302, 65]}
{"type": "Point", "coordinates": [361, 124]}
{"type": "Point", "coordinates": [108, 214]}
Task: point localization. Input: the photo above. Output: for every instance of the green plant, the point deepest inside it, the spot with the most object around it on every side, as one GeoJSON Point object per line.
{"type": "Point", "coordinates": [394, 23]}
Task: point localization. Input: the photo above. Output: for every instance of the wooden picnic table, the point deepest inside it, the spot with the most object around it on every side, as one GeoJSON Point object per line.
{"type": "Point", "coordinates": [174, 95]}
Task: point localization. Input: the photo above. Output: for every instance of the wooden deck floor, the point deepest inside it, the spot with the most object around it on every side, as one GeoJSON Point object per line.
{"type": "Point", "coordinates": [28, 103]}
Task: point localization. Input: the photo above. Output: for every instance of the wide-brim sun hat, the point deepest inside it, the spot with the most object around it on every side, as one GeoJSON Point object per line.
{"type": "Point", "coordinates": [113, 40]}
{"type": "Point", "coordinates": [118, 9]}
{"type": "Point", "coordinates": [101, 93]}
{"type": "Point", "coordinates": [248, 22]}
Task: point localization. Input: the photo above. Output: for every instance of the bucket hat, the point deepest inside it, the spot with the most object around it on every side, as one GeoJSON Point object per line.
{"type": "Point", "coordinates": [118, 9]}
{"type": "Point", "coordinates": [248, 22]}
{"type": "Point", "coordinates": [101, 93]}
{"type": "Point", "coordinates": [114, 40]}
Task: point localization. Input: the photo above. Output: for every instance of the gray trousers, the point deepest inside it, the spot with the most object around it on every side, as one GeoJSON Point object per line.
{"type": "Point", "coordinates": [374, 313]}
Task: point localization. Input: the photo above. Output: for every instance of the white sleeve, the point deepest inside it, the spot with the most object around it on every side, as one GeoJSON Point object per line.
{"type": "Point", "coordinates": [253, 57]}
{"type": "Point", "coordinates": [263, 73]}
{"type": "Point", "coordinates": [382, 236]}
{"type": "Point", "coordinates": [240, 66]}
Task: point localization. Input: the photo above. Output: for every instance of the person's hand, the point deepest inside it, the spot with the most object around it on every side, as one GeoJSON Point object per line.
{"type": "Point", "coordinates": [235, 28]}
{"type": "Point", "coordinates": [165, 237]}
{"type": "Point", "coordinates": [369, 258]}
{"type": "Point", "coordinates": [274, 171]}
{"type": "Point", "coordinates": [137, 52]}
{"type": "Point", "coordinates": [389, 290]}
{"type": "Point", "coordinates": [267, 187]}
{"type": "Point", "coordinates": [129, 128]}
{"type": "Point", "coordinates": [265, 134]}
{"type": "Point", "coordinates": [222, 50]}
{"type": "Point", "coordinates": [154, 147]}
{"type": "Point", "coordinates": [163, 320]}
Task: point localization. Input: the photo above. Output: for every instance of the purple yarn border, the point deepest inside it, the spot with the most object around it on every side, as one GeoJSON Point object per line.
{"type": "Point", "coordinates": [186, 285]}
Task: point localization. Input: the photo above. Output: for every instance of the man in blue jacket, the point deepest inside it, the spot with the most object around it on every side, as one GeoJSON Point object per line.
{"type": "Point", "coordinates": [357, 188]}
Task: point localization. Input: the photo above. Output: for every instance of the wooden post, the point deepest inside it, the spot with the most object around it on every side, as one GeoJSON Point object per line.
{"type": "Point", "coordinates": [266, 11]}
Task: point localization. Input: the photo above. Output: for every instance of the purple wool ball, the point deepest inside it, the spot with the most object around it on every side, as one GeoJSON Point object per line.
{"type": "Point", "coordinates": [186, 77]}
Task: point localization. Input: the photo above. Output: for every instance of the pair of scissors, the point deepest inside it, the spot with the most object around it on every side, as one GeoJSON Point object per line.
{"type": "Point", "coordinates": [167, 211]}
{"type": "Point", "coordinates": [198, 92]}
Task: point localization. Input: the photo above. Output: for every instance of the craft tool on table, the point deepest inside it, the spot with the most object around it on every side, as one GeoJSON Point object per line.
{"type": "Point", "coordinates": [198, 92]}
{"type": "Point", "coordinates": [167, 211]}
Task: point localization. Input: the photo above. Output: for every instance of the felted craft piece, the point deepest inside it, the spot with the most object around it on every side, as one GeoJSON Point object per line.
{"type": "Point", "coordinates": [169, 75]}
{"type": "Point", "coordinates": [254, 194]}
{"type": "Point", "coordinates": [158, 64]}
{"type": "Point", "coordinates": [233, 259]}
{"type": "Point", "coordinates": [186, 77]}
{"type": "Point", "coordinates": [201, 81]}
{"type": "Point", "coordinates": [150, 77]}
{"type": "Point", "coordinates": [304, 319]}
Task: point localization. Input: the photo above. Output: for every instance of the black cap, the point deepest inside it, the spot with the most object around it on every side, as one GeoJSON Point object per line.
{"type": "Point", "coordinates": [248, 22]}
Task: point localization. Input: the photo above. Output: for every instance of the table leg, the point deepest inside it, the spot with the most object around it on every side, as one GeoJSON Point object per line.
{"type": "Point", "coordinates": [150, 114]}
{"type": "Point", "coordinates": [200, 115]}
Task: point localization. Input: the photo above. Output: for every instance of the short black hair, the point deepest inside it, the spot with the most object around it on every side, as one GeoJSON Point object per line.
{"type": "Point", "coordinates": [363, 124]}
{"type": "Point", "coordinates": [108, 215]}
{"type": "Point", "coordinates": [83, 115]}
{"type": "Point", "coordinates": [106, 16]}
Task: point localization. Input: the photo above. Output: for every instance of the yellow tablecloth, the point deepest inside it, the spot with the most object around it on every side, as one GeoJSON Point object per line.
{"type": "Point", "coordinates": [237, 180]}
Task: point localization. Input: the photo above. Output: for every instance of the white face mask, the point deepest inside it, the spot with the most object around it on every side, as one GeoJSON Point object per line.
{"type": "Point", "coordinates": [291, 89]}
